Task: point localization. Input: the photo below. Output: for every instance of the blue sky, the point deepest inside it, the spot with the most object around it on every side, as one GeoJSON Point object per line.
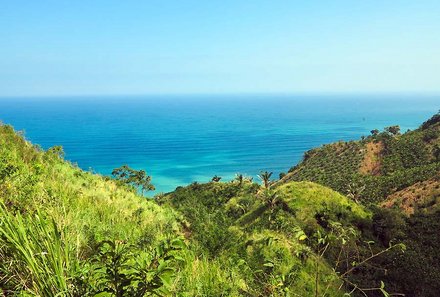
{"type": "Point", "coordinates": [149, 47]}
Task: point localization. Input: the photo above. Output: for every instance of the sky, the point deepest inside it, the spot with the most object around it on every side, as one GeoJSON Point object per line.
{"type": "Point", "coordinates": [114, 47]}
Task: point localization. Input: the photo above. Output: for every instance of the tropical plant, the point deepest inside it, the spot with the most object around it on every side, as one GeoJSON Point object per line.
{"type": "Point", "coordinates": [239, 178]}
{"type": "Point", "coordinates": [374, 132]}
{"type": "Point", "coordinates": [122, 269]}
{"type": "Point", "coordinates": [216, 178]}
{"type": "Point", "coordinates": [33, 255]}
{"type": "Point", "coordinates": [269, 197]}
{"type": "Point", "coordinates": [264, 176]}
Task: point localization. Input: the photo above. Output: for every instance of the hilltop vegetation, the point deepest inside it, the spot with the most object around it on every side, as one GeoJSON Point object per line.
{"type": "Point", "coordinates": [319, 231]}
{"type": "Point", "coordinates": [372, 169]}
{"type": "Point", "coordinates": [289, 238]}
{"type": "Point", "coordinates": [400, 173]}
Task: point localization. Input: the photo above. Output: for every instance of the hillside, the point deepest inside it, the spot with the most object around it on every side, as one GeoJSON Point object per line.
{"type": "Point", "coordinates": [373, 169]}
{"type": "Point", "coordinates": [286, 235]}
{"type": "Point", "coordinates": [400, 174]}
{"type": "Point", "coordinates": [60, 227]}
{"type": "Point", "coordinates": [67, 232]}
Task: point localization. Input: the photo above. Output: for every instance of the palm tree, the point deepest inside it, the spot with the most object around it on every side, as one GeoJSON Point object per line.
{"type": "Point", "coordinates": [216, 178]}
{"type": "Point", "coordinates": [269, 197]}
{"type": "Point", "coordinates": [265, 178]}
{"type": "Point", "coordinates": [239, 178]}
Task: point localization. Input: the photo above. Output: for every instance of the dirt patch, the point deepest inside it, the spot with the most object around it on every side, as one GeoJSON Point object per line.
{"type": "Point", "coordinates": [371, 163]}
{"type": "Point", "coordinates": [421, 195]}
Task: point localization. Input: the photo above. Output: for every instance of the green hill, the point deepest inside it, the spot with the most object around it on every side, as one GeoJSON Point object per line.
{"type": "Point", "coordinates": [67, 232]}
{"type": "Point", "coordinates": [374, 168]}
{"type": "Point", "coordinates": [400, 173]}
{"type": "Point", "coordinates": [285, 235]}
{"type": "Point", "coordinates": [60, 225]}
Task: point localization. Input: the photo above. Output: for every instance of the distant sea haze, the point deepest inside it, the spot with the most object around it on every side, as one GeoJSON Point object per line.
{"type": "Point", "coordinates": [182, 139]}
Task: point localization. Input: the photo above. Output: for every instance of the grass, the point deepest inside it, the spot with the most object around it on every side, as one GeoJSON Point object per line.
{"type": "Point", "coordinates": [54, 216]}
{"type": "Point", "coordinates": [67, 232]}
{"type": "Point", "coordinates": [34, 254]}
{"type": "Point", "coordinates": [308, 198]}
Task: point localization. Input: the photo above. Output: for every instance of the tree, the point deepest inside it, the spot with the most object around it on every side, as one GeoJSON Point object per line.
{"type": "Point", "coordinates": [393, 130]}
{"type": "Point", "coordinates": [354, 191]}
{"type": "Point", "coordinates": [57, 151]}
{"type": "Point", "coordinates": [374, 132]}
{"type": "Point", "coordinates": [265, 178]}
{"type": "Point", "coordinates": [239, 178]}
{"type": "Point", "coordinates": [432, 121]}
{"type": "Point", "coordinates": [134, 178]}
{"type": "Point", "coordinates": [269, 197]}
{"type": "Point", "coordinates": [216, 178]}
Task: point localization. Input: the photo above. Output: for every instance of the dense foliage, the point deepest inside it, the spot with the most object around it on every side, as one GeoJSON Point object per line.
{"type": "Point", "coordinates": [416, 272]}
{"type": "Point", "coordinates": [403, 160]}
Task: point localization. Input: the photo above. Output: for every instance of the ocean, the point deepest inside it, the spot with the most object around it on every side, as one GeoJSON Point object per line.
{"type": "Point", "coordinates": [182, 139]}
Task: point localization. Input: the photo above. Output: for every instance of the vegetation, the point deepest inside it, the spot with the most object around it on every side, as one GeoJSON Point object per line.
{"type": "Point", "coordinates": [58, 224]}
{"type": "Point", "coordinates": [67, 232]}
{"type": "Point", "coordinates": [134, 178]}
{"type": "Point", "coordinates": [400, 161]}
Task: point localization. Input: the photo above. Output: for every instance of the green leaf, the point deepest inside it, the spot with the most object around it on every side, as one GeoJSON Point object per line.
{"type": "Point", "coordinates": [382, 289]}
{"type": "Point", "coordinates": [167, 277]}
{"type": "Point", "coordinates": [179, 258]}
{"type": "Point", "coordinates": [268, 264]}
{"type": "Point", "coordinates": [178, 243]}
{"type": "Point", "coordinates": [241, 262]}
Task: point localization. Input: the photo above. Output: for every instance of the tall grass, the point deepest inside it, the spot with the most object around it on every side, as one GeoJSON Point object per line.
{"type": "Point", "coordinates": [33, 255]}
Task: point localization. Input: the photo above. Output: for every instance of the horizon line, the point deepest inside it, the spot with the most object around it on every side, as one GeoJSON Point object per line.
{"type": "Point", "coordinates": [225, 94]}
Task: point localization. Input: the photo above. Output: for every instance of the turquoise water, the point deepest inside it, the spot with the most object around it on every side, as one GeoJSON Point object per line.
{"type": "Point", "coordinates": [181, 139]}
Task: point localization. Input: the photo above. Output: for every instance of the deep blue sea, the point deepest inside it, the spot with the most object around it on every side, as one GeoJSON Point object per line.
{"type": "Point", "coordinates": [181, 139]}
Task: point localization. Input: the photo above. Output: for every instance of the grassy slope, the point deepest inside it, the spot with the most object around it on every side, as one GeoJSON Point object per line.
{"type": "Point", "coordinates": [55, 219]}
{"type": "Point", "coordinates": [400, 173]}
{"type": "Point", "coordinates": [242, 240]}
{"type": "Point", "coordinates": [84, 208]}
{"type": "Point", "coordinates": [87, 206]}
{"type": "Point", "coordinates": [372, 170]}
{"type": "Point", "coordinates": [225, 219]}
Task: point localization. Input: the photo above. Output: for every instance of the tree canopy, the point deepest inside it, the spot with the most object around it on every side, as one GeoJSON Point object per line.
{"type": "Point", "coordinates": [135, 178]}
